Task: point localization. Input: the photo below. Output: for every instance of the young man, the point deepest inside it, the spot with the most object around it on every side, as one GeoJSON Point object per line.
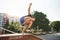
{"type": "Point", "coordinates": [26, 21]}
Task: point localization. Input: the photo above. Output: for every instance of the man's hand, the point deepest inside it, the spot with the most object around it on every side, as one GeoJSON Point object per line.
{"type": "Point", "coordinates": [30, 4]}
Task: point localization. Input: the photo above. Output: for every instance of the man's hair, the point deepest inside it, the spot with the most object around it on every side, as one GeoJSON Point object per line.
{"type": "Point", "coordinates": [29, 15]}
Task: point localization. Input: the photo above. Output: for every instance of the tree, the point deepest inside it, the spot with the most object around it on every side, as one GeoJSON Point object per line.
{"type": "Point", "coordinates": [41, 21]}
{"type": "Point", "coordinates": [6, 24]}
{"type": "Point", "coordinates": [15, 26]}
{"type": "Point", "coordinates": [55, 25]}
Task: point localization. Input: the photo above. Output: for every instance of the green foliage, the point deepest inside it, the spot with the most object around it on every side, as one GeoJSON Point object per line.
{"type": "Point", "coordinates": [40, 21]}
{"type": "Point", "coordinates": [55, 25]}
{"type": "Point", "coordinates": [14, 26]}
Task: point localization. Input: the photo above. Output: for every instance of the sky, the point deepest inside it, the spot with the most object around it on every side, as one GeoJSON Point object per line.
{"type": "Point", "coordinates": [18, 8]}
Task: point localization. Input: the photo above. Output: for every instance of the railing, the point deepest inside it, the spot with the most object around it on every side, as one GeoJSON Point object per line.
{"type": "Point", "coordinates": [17, 36]}
{"type": "Point", "coordinates": [7, 30]}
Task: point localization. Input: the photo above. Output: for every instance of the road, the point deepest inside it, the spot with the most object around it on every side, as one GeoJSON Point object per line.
{"type": "Point", "coordinates": [49, 36]}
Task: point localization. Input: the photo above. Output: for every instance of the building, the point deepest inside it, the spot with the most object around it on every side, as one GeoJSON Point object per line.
{"type": "Point", "coordinates": [14, 19]}
{"type": "Point", "coordinates": [3, 19]}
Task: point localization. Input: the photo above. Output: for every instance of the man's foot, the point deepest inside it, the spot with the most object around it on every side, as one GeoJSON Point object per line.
{"type": "Point", "coordinates": [28, 30]}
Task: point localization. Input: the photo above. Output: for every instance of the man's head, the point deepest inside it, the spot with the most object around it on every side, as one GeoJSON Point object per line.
{"type": "Point", "coordinates": [33, 19]}
{"type": "Point", "coordinates": [29, 15]}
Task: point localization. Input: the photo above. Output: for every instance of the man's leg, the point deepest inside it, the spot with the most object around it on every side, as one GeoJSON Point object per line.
{"type": "Point", "coordinates": [29, 26]}
{"type": "Point", "coordinates": [24, 28]}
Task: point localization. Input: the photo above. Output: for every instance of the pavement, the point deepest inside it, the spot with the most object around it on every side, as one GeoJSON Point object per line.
{"type": "Point", "coordinates": [55, 36]}
{"type": "Point", "coordinates": [58, 33]}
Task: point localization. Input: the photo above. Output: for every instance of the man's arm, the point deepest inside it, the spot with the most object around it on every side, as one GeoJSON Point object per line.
{"type": "Point", "coordinates": [29, 8]}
